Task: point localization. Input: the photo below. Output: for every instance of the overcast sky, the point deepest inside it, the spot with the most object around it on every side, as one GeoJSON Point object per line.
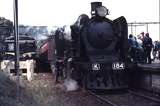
{"type": "Point", "coordinates": [62, 12]}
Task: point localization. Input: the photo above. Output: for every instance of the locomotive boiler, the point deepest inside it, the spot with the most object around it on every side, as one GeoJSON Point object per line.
{"type": "Point", "coordinates": [98, 50]}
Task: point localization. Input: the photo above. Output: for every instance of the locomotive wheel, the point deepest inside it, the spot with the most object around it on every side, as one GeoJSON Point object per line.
{"type": "Point", "coordinates": [53, 67]}
{"type": "Point", "coordinates": [77, 75]}
{"type": "Point", "coordinates": [64, 73]}
{"type": "Point", "coordinates": [84, 82]}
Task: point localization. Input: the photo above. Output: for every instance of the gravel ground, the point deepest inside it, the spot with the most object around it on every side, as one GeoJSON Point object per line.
{"type": "Point", "coordinates": [43, 92]}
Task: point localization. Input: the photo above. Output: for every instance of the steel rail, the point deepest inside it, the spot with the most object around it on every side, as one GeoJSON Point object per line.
{"type": "Point", "coordinates": [102, 99]}
{"type": "Point", "coordinates": [145, 96]}
{"type": "Point", "coordinates": [105, 100]}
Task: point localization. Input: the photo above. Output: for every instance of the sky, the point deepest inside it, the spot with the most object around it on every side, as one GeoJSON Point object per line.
{"type": "Point", "coordinates": [65, 12]}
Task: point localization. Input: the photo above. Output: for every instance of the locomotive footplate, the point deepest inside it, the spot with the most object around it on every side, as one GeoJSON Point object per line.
{"type": "Point", "coordinates": [105, 76]}
{"type": "Point", "coordinates": [147, 77]}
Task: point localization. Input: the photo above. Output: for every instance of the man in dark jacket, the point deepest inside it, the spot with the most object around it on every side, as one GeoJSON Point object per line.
{"type": "Point", "coordinates": [133, 47]}
{"type": "Point", "coordinates": [147, 45]}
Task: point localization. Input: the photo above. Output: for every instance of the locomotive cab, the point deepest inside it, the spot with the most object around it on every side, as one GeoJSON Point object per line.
{"type": "Point", "coordinates": [100, 48]}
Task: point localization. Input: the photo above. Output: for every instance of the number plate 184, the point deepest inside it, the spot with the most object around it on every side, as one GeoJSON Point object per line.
{"type": "Point", "coordinates": [118, 66]}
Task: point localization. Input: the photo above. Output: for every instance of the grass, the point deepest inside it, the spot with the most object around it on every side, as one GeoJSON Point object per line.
{"type": "Point", "coordinates": [8, 93]}
{"type": "Point", "coordinates": [41, 92]}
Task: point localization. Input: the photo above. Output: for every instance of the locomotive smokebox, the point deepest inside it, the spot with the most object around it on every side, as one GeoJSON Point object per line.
{"type": "Point", "coordinates": [94, 5]}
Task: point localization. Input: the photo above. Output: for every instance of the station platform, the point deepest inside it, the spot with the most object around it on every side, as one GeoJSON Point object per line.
{"type": "Point", "coordinates": [153, 67]}
{"type": "Point", "coordinates": [147, 77]}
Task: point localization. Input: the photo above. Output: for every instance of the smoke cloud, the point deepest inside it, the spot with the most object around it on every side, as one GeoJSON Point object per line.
{"type": "Point", "coordinates": [70, 84]}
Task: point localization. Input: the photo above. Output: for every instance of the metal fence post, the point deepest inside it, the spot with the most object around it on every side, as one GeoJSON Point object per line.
{"type": "Point", "coordinates": [16, 34]}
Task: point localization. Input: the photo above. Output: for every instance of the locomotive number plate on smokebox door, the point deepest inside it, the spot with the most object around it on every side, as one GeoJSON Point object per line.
{"type": "Point", "coordinates": [118, 66]}
{"type": "Point", "coordinates": [96, 66]}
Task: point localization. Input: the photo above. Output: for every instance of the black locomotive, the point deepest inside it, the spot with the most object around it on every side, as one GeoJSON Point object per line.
{"type": "Point", "coordinates": [98, 50]}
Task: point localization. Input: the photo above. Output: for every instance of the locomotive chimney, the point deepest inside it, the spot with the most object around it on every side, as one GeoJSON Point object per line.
{"type": "Point", "coordinates": [94, 5]}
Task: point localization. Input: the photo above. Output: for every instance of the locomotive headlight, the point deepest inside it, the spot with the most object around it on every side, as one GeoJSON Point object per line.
{"type": "Point", "coordinates": [102, 11]}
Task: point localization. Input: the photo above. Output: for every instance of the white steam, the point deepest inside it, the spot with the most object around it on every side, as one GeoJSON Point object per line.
{"type": "Point", "coordinates": [67, 33]}
{"type": "Point", "coordinates": [70, 84]}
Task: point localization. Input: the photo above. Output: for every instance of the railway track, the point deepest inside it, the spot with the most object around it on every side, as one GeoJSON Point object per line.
{"type": "Point", "coordinates": [129, 98]}
{"type": "Point", "coordinates": [146, 96]}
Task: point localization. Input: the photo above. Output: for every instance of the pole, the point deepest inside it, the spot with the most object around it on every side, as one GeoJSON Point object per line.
{"type": "Point", "coordinates": [16, 34]}
{"type": "Point", "coordinates": [159, 19]}
{"type": "Point", "coordinates": [147, 28]}
{"type": "Point", "coordinates": [131, 29]}
{"type": "Point", "coordinates": [135, 30]}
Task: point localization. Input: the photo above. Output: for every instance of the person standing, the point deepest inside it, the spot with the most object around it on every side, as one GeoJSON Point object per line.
{"type": "Point", "coordinates": [133, 48]}
{"type": "Point", "coordinates": [147, 44]}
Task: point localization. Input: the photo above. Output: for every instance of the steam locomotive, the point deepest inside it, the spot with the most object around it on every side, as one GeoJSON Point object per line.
{"type": "Point", "coordinates": [98, 50]}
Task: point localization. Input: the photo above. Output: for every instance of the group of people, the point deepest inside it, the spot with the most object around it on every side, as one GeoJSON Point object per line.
{"type": "Point", "coordinates": [156, 50]}
{"type": "Point", "coordinates": [140, 49]}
